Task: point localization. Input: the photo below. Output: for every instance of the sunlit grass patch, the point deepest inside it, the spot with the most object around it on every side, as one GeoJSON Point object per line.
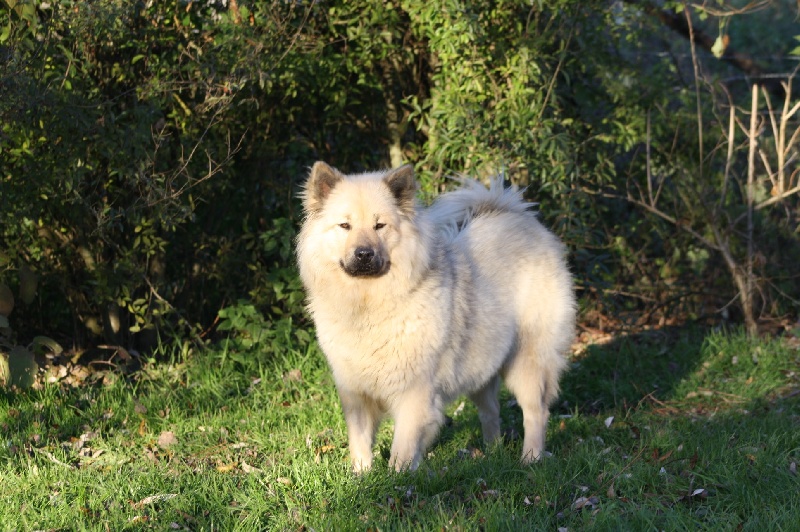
{"type": "Point", "coordinates": [673, 431]}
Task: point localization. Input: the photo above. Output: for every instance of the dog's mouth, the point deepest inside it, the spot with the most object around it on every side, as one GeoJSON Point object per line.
{"type": "Point", "coordinates": [359, 268]}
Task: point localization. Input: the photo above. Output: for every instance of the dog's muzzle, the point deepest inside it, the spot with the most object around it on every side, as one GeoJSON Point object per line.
{"type": "Point", "coordinates": [365, 262]}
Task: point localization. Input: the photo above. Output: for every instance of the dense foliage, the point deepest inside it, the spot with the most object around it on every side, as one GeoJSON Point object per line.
{"type": "Point", "coordinates": [151, 152]}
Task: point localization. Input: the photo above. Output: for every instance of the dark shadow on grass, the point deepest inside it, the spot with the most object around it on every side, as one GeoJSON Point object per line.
{"type": "Point", "coordinates": [629, 368]}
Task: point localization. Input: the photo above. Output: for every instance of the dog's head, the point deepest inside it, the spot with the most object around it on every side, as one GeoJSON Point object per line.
{"type": "Point", "coordinates": [361, 215]}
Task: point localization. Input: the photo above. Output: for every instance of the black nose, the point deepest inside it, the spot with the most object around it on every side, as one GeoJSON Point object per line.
{"type": "Point", "coordinates": [364, 254]}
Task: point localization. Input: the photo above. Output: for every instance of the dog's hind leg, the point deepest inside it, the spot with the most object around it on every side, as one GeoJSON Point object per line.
{"type": "Point", "coordinates": [362, 415]}
{"type": "Point", "coordinates": [488, 409]}
{"type": "Point", "coordinates": [532, 376]}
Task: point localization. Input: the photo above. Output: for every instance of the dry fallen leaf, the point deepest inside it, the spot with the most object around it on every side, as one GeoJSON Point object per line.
{"type": "Point", "coordinates": [148, 452]}
{"type": "Point", "coordinates": [166, 438]}
{"type": "Point", "coordinates": [696, 495]}
{"type": "Point", "coordinates": [585, 502]}
{"type": "Point", "coordinates": [527, 501]}
{"type": "Point", "coordinates": [471, 452]}
{"type": "Point", "coordinates": [247, 468]}
{"type": "Point", "coordinates": [159, 497]}
{"type": "Point", "coordinates": [226, 468]}
{"type": "Point", "coordinates": [294, 375]}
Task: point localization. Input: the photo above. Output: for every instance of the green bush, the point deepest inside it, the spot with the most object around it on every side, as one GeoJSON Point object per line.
{"type": "Point", "coordinates": [151, 153]}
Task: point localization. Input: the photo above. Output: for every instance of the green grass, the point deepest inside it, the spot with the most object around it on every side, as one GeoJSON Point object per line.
{"type": "Point", "coordinates": [704, 435]}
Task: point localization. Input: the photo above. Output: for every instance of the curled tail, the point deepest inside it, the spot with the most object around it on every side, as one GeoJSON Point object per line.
{"type": "Point", "coordinates": [453, 210]}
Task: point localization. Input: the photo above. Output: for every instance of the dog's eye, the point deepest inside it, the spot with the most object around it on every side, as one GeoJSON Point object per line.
{"type": "Point", "coordinates": [379, 226]}
{"type": "Point", "coordinates": [345, 226]}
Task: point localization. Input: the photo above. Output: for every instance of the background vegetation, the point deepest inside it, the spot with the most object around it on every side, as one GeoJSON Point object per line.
{"type": "Point", "coordinates": [151, 151]}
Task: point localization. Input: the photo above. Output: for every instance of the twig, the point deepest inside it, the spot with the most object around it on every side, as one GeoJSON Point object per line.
{"type": "Point", "coordinates": [661, 214]}
{"type": "Point", "coordinates": [52, 458]}
{"type": "Point", "coordinates": [604, 487]}
{"type": "Point", "coordinates": [648, 166]}
{"type": "Point", "coordinates": [729, 158]}
{"type": "Point", "coordinates": [297, 33]}
{"type": "Point", "coordinates": [784, 294]}
{"type": "Point", "coordinates": [555, 74]}
{"type": "Point", "coordinates": [212, 170]}
{"type": "Point", "coordinates": [169, 305]}
{"type": "Point", "coordinates": [723, 394]}
{"type": "Point", "coordinates": [779, 197]}
{"type": "Point", "coordinates": [747, 297]}
{"type": "Point", "coordinates": [696, 89]}
{"type": "Point", "coordinates": [730, 10]}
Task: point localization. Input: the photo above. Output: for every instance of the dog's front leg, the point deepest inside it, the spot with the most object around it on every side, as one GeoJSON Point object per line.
{"type": "Point", "coordinates": [417, 419]}
{"type": "Point", "coordinates": [362, 414]}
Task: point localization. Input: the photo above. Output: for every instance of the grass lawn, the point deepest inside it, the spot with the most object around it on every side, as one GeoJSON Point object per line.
{"type": "Point", "coordinates": [664, 430]}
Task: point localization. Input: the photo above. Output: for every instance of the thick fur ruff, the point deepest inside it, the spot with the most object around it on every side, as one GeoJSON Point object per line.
{"type": "Point", "coordinates": [415, 307]}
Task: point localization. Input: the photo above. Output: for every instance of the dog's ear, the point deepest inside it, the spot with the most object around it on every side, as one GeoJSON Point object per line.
{"type": "Point", "coordinates": [319, 185]}
{"type": "Point", "coordinates": [403, 186]}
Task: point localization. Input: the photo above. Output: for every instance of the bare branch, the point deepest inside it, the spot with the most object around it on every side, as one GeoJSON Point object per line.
{"type": "Point", "coordinates": [768, 167]}
{"type": "Point", "coordinates": [648, 165]}
{"type": "Point", "coordinates": [696, 66]}
{"type": "Point", "coordinates": [730, 11]}
{"type": "Point", "coordinates": [779, 197]}
{"type": "Point", "coordinates": [778, 132]}
{"type": "Point", "coordinates": [792, 140]}
{"type": "Point", "coordinates": [741, 61]}
{"type": "Point", "coordinates": [794, 109]}
{"type": "Point", "coordinates": [747, 294]}
{"type": "Point", "coordinates": [729, 157]}
{"type": "Point", "coordinates": [666, 217]}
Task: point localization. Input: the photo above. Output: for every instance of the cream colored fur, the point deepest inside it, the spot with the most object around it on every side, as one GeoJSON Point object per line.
{"type": "Point", "coordinates": [415, 307]}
